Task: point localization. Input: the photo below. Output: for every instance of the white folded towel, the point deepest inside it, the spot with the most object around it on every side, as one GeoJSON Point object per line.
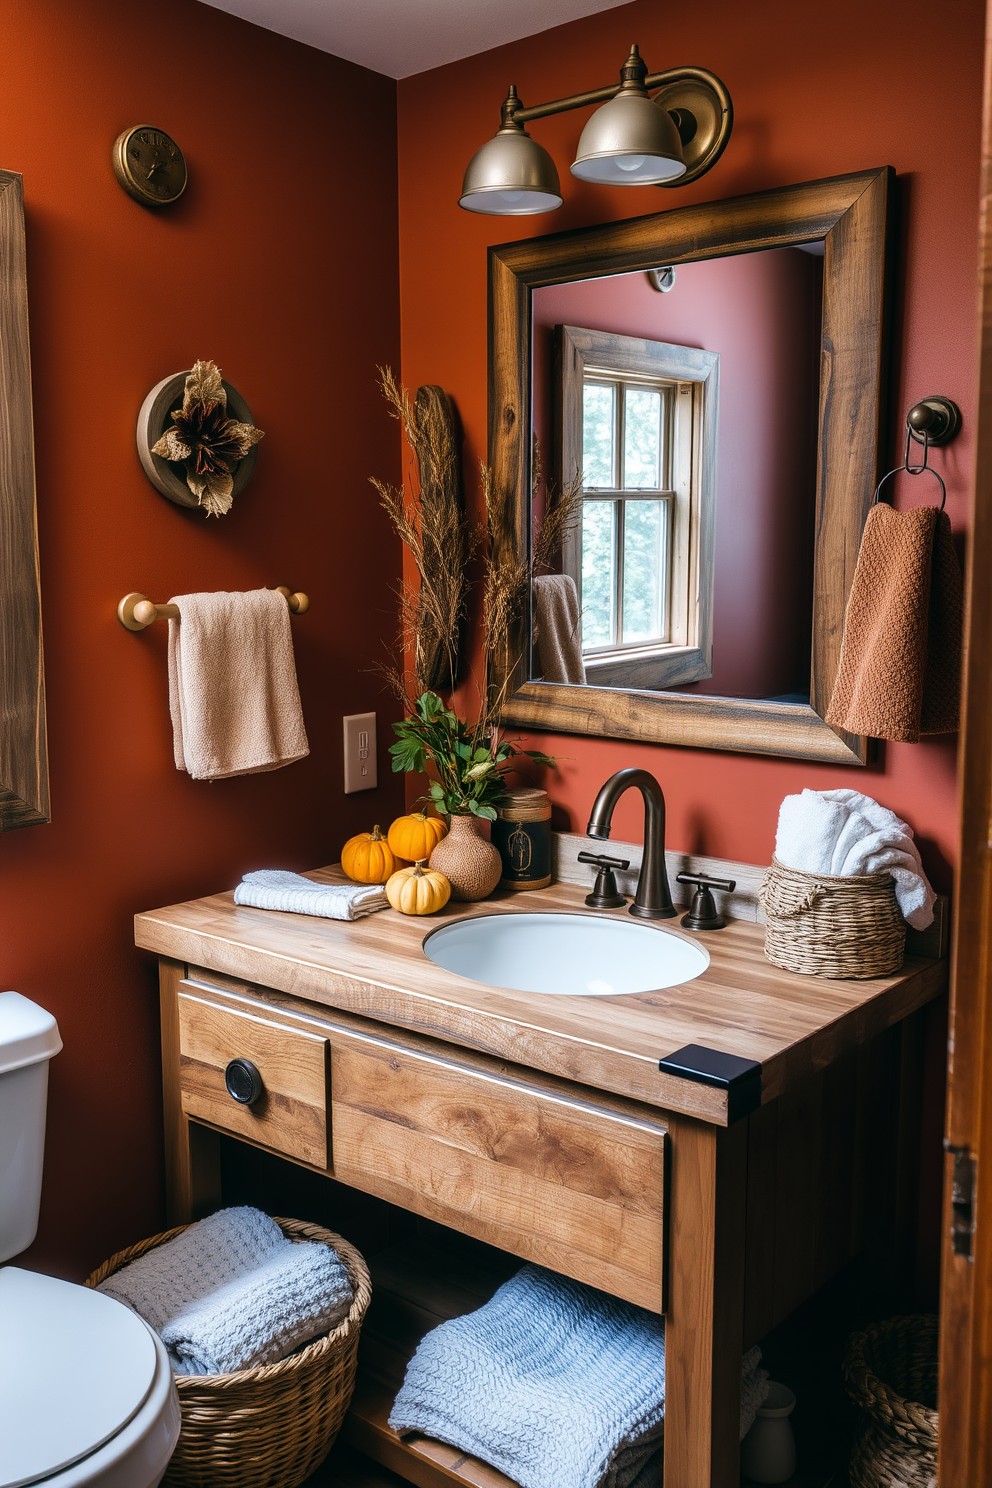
{"type": "Point", "coordinates": [205, 1257]}
{"type": "Point", "coordinates": [300, 1292]}
{"type": "Point", "coordinates": [276, 888]}
{"type": "Point", "coordinates": [842, 832]}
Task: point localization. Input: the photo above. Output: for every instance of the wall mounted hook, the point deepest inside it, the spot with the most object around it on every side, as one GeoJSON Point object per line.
{"type": "Point", "coordinates": [934, 421]}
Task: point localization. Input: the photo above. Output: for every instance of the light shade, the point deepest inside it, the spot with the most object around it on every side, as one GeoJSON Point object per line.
{"type": "Point", "coordinates": [511, 176]}
{"type": "Point", "coordinates": [629, 141]}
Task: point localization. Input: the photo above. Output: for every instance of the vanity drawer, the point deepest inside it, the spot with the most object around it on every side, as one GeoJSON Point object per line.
{"type": "Point", "coordinates": [290, 1114]}
{"type": "Point", "coordinates": [570, 1184]}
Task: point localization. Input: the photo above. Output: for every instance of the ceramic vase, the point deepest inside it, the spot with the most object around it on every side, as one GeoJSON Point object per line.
{"type": "Point", "coordinates": [468, 860]}
{"type": "Point", "coordinates": [768, 1452]}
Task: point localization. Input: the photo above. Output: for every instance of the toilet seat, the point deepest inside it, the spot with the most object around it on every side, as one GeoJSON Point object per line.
{"type": "Point", "coordinates": [80, 1376]}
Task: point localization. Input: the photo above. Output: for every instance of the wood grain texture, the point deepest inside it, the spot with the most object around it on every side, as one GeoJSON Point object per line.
{"type": "Point", "coordinates": [965, 1391]}
{"type": "Point", "coordinates": [24, 797]}
{"type": "Point", "coordinates": [291, 1115]}
{"type": "Point", "coordinates": [556, 1181]}
{"type": "Point", "coordinates": [703, 1323]}
{"type": "Point", "coordinates": [192, 1155]}
{"type": "Point", "coordinates": [375, 968]}
{"type": "Point", "coordinates": [852, 214]}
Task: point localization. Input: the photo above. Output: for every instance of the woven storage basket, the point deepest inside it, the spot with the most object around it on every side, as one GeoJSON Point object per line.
{"type": "Point", "coordinates": [891, 1372]}
{"type": "Point", "coordinates": [267, 1427]}
{"type": "Point", "coordinates": [821, 925]}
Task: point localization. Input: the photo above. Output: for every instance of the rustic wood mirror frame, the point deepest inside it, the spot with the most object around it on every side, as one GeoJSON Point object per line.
{"type": "Point", "coordinates": [851, 215]}
{"type": "Point", "coordinates": [23, 750]}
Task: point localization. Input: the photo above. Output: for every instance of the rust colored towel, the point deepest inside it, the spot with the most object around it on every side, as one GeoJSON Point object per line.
{"type": "Point", "coordinates": [900, 661]}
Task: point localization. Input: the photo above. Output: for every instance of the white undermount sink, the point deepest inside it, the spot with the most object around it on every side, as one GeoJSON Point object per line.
{"type": "Point", "coordinates": [573, 955]}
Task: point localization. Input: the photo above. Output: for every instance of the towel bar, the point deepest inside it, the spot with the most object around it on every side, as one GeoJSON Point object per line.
{"type": "Point", "coordinates": [135, 612]}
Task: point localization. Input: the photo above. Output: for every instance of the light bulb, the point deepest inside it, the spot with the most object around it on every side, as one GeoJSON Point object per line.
{"type": "Point", "coordinates": [512, 196]}
{"type": "Point", "coordinates": [630, 162]}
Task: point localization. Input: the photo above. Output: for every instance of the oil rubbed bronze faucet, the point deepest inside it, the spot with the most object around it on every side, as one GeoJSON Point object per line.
{"type": "Point", "coordinates": [653, 900]}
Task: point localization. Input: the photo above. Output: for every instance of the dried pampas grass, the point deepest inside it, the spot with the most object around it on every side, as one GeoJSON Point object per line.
{"type": "Point", "coordinates": [432, 525]}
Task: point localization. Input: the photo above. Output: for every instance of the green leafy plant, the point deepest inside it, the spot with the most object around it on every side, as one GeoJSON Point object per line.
{"type": "Point", "coordinates": [469, 760]}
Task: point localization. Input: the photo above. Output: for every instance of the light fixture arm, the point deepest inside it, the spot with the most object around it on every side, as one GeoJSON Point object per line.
{"type": "Point", "coordinates": [697, 100]}
{"type": "Point", "coordinates": [603, 95]}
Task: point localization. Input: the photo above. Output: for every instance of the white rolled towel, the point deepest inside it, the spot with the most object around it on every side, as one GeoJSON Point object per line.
{"type": "Point", "coordinates": [843, 832]}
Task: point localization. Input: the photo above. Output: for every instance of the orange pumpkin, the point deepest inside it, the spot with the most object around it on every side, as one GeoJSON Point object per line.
{"type": "Point", "coordinates": [416, 836]}
{"type": "Point", "coordinates": [367, 858]}
{"type": "Point", "coordinates": [418, 890]}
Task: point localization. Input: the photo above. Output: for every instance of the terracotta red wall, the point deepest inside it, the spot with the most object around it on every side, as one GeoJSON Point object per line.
{"type": "Point", "coordinates": [761, 313]}
{"type": "Point", "coordinates": [815, 95]}
{"type": "Point", "coordinates": [280, 263]}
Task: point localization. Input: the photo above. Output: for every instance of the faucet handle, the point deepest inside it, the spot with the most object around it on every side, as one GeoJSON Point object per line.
{"type": "Point", "coordinates": [605, 895]}
{"type": "Point", "coordinates": [703, 914]}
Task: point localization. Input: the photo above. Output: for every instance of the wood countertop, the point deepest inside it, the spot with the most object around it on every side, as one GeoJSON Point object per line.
{"type": "Point", "coordinates": [376, 968]}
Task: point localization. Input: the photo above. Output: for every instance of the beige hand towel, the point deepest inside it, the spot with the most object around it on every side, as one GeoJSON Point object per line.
{"type": "Point", "coordinates": [559, 634]}
{"type": "Point", "coordinates": [900, 663]}
{"type": "Point", "coordinates": [232, 685]}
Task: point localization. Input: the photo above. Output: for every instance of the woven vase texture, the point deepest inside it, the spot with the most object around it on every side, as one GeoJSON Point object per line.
{"type": "Point", "coordinates": [267, 1427]}
{"type": "Point", "coordinates": [891, 1372]}
{"type": "Point", "coordinates": [822, 925]}
{"type": "Point", "coordinates": [469, 861]}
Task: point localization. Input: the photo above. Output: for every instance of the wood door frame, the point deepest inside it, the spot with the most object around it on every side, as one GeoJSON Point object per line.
{"type": "Point", "coordinates": [851, 215]}
{"type": "Point", "coordinates": [24, 799]}
{"type": "Point", "coordinates": [965, 1388]}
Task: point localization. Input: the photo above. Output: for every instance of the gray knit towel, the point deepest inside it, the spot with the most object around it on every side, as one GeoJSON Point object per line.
{"type": "Point", "coordinates": [300, 1292]}
{"type": "Point", "coordinates": [205, 1257]}
{"type": "Point", "coordinates": [554, 1383]}
{"type": "Point", "coordinates": [276, 888]}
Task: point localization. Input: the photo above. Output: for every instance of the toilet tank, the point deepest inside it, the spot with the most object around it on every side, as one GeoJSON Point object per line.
{"type": "Point", "coordinates": [29, 1037]}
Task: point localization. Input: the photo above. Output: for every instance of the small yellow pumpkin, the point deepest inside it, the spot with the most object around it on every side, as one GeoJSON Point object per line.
{"type": "Point", "coordinates": [416, 836]}
{"type": "Point", "coordinates": [367, 858]}
{"type": "Point", "coordinates": [418, 890]}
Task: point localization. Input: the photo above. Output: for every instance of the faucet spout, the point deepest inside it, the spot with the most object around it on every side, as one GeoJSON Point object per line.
{"type": "Point", "coordinates": [653, 899]}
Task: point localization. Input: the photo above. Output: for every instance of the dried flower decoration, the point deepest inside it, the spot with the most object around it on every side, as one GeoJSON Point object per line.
{"type": "Point", "coordinates": [205, 441]}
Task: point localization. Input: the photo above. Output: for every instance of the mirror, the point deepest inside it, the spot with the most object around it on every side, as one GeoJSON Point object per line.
{"type": "Point", "coordinates": [23, 754]}
{"type": "Point", "coordinates": [709, 379]}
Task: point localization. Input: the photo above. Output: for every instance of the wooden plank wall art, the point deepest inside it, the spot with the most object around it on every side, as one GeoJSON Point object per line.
{"type": "Point", "coordinates": [23, 749]}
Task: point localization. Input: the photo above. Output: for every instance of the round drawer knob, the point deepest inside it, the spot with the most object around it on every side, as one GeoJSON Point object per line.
{"type": "Point", "coordinates": [243, 1081]}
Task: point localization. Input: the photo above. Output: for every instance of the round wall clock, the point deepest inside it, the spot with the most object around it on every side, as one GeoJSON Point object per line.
{"type": "Point", "coordinates": [149, 165]}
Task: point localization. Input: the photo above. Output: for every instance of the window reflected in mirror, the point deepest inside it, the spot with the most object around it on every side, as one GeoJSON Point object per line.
{"type": "Point", "coordinates": [690, 419]}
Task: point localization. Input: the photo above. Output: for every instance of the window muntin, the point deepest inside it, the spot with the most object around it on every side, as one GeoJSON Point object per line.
{"type": "Point", "coordinates": [627, 511]}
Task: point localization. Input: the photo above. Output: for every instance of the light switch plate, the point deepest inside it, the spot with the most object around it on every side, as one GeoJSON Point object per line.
{"type": "Point", "coordinates": [359, 753]}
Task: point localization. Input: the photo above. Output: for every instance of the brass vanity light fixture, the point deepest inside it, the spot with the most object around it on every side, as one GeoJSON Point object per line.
{"type": "Point", "coordinates": [632, 140]}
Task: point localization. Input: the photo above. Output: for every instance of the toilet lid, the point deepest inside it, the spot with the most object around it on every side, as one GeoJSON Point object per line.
{"type": "Point", "coordinates": [75, 1367]}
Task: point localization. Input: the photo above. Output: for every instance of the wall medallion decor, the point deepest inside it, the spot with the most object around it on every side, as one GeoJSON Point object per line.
{"type": "Point", "coordinates": [149, 166]}
{"type": "Point", "coordinates": [196, 440]}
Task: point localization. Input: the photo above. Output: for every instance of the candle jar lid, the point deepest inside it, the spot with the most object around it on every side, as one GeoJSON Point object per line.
{"type": "Point", "coordinates": [526, 803]}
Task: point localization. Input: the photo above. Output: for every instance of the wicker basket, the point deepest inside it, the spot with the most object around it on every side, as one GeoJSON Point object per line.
{"type": "Point", "coordinates": [267, 1427]}
{"type": "Point", "coordinates": [821, 925]}
{"type": "Point", "coordinates": [891, 1372]}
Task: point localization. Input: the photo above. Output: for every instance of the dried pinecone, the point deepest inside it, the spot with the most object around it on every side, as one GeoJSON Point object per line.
{"type": "Point", "coordinates": [205, 441]}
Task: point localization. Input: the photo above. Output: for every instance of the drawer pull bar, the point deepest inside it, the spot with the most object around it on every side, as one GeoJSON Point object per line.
{"type": "Point", "coordinates": [243, 1081]}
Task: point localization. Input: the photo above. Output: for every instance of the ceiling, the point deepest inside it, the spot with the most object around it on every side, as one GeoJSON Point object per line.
{"type": "Point", "coordinates": [403, 37]}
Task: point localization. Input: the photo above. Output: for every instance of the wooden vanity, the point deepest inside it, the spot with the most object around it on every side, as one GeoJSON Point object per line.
{"type": "Point", "coordinates": [544, 1126]}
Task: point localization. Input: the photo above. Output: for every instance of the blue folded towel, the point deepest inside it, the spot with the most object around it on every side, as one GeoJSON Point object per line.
{"type": "Point", "coordinates": [232, 1292]}
{"type": "Point", "coordinates": [553, 1383]}
{"type": "Point", "coordinates": [295, 1296]}
{"type": "Point", "coordinates": [277, 888]}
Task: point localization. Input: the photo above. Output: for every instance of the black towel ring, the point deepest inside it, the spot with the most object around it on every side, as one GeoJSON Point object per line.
{"type": "Point", "coordinates": [923, 469]}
